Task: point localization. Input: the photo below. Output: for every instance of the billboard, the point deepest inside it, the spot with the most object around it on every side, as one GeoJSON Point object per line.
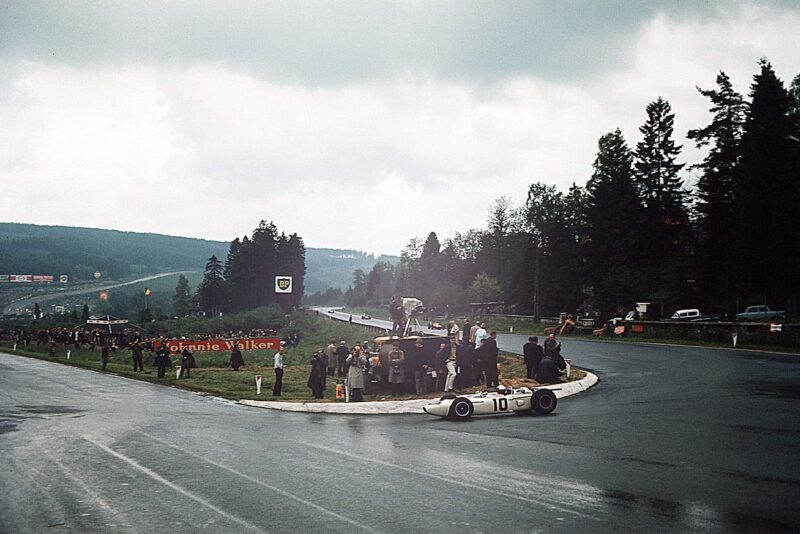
{"type": "Point", "coordinates": [283, 284]}
{"type": "Point", "coordinates": [209, 345]}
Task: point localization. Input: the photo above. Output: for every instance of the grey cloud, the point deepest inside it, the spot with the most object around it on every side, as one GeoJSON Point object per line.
{"type": "Point", "coordinates": [341, 42]}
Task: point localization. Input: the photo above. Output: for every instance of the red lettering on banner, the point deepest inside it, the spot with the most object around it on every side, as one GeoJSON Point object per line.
{"type": "Point", "coordinates": [177, 345]}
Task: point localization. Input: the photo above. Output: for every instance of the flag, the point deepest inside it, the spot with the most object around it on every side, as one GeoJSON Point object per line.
{"type": "Point", "coordinates": [147, 292]}
{"type": "Point", "coordinates": [104, 295]}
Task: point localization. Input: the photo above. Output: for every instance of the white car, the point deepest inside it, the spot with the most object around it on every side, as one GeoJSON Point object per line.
{"type": "Point", "coordinates": [504, 400]}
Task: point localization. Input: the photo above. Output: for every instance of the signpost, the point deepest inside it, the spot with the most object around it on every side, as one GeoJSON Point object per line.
{"type": "Point", "coordinates": [258, 384]}
{"type": "Point", "coordinates": [283, 284]}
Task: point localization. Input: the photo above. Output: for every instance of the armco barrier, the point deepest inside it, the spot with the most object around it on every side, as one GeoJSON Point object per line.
{"type": "Point", "coordinates": [755, 333]}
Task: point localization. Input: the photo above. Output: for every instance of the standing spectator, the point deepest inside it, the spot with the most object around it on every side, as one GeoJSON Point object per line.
{"type": "Point", "coordinates": [342, 352]}
{"type": "Point", "coordinates": [466, 330]}
{"type": "Point", "coordinates": [104, 353]}
{"type": "Point", "coordinates": [451, 362]}
{"type": "Point", "coordinates": [480, 335]}
{"type": "Point", "coordinates": [136, 352]}
{"type": "Point", "coordinates": [397, 375]}
{"type": "Point", "coordinates": [440, 366]}
{"type": "Point", "coordinates": [532, 354]}
{"type": "Point", "coordinates": [187, 362]}
{"type": "Point", "coordinates": [330, 356]}
{"type": "Point", "coordinates": [162, 360]}
{"type": "Point", "coordinates": [51, 349]}
{"type": "Point", "coordinates": [421, 368]}
{"type": "Point", "coordinates": [237, 360]}
{"type": "Point", "coordinates": [453, 329]}
{"type": "Point", "coordinates": [490, 353]}
{"type": "Point", "coordinates": [277, 361]}
{"type": "Point", "coordinates": [317, 374]}
{"type": "Point", "coordinates": [547, 372]}
{"type": "Point", "coordinates": [465, 357]}
{"type": "Point", "coordinates": [355, 374]}
{"type": "Point", "coordinates": [550, 344]}
{"type": "Point", "coordinates": [473, 330]}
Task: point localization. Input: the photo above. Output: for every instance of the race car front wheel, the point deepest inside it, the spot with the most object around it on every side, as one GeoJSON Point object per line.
{"type": "Point", "coordinates": [461, 409]}
{"type": "Point", "coordinates": [543, 401]}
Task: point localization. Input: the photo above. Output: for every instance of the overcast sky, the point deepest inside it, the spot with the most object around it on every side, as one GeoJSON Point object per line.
{"type": "Point", "coordinates": [355, 124]}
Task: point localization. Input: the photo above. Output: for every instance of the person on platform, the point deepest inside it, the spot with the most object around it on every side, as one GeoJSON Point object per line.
{"type": "Point", "coordinates": [187, 363]}
{"type": "Point", "coordinates": [532, 354]}
{"type": "Point", "coordinates": [237, 360]}
{"type": "Point", "coordinates": [355, 374]}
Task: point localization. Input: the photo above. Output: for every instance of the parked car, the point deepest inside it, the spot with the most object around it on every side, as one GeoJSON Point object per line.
{"type": "Point", "coordinates": [761, 313]}
{"type": "Point", "coordinates": [504, 400]}
{"type": "Point", "coordinates": [692, 315]}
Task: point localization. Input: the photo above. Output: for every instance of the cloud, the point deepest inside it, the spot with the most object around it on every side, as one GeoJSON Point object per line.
{"type": "Point", "coordinates": [193, 119]}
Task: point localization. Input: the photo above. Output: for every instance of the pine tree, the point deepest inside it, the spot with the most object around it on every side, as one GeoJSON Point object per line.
{"type": "Point", "coordinates": [614, 218]}
{"type": "Point", "coordinates": [718, 236]}
{"type": "Point", "coordinates": [211, 293]}
{"type": "Point", "coordinates": [768, 193]}
{"type": "Point", "coordinates": [666, 228]}
{"type": "Point", "coordinates": [182, 300]}
{"type": "Point", "coordinates": [85, 313]}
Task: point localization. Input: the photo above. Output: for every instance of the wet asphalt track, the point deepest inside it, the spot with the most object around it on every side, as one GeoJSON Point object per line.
{"type": "Point", "coordinates": [672, 439]}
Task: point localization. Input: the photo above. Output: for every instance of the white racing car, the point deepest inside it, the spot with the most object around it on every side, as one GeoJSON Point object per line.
{"type": "Point", "coordinates": [504, 400]}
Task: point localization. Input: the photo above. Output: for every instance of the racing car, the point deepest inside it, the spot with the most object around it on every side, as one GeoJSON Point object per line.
{"type": "Point", "coordinates": [504, 400]}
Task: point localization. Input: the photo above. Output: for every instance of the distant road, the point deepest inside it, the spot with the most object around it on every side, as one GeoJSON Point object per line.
{"type": "Point", "coordinates": [28, 302]}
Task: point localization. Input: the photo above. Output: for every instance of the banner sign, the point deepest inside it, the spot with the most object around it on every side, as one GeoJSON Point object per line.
{"type": "Point", "coordinates": [775, 327]}
{"type": "Point", "coordinates": [283, 284]}
{"type": "Point", "coordinates": [20, 278]}
{"type": "Point", "coordinates": [42, 278]}
{"type": "Point", "coordinates": [3, 278]}
{"type": "Point", "coordinates": [619, 330]}
{"type": "Point", "coordinates": [637, 328]}
{"type": "Point", "coordinates": [208, 345]}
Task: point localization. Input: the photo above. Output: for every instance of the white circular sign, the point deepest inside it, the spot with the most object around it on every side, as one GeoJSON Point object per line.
{"type": "Point", "coordinates": [97, 274]}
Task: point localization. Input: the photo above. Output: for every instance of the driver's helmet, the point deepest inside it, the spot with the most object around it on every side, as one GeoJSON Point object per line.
{"type": "Point", "coordinates": [504, 390]}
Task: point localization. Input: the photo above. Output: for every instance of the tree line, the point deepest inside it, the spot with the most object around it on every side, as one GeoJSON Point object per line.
{"type": "Point", "coordinates": [636, 232]}
{"type": "Point", "coordinates": [247, 278]}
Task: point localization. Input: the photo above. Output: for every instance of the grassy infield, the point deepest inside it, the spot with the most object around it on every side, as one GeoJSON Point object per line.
{"type": "Point", "coordinates": [213, 377]}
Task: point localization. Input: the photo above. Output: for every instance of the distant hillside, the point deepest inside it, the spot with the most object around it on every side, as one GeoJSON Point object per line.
{"type": "Point", "coordinates": [79, 252]}
{"type": "Point", "coordinates": [328, 267]}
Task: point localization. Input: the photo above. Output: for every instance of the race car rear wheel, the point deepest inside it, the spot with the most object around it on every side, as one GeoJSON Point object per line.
{"type": "Point", "coordinates": [461, 409]}
{"type": "Point", "coordinates": [543, 401]}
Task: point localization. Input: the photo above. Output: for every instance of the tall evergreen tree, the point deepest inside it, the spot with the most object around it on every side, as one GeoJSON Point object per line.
{"type": "Point", "coordinates": [614, 218]}
{"type": "Point", "coordinates": [718, 235]}
{"type": "Point", "coordinates": [182, 299]}
{"type": "Point", "coordinates": [211, 292]}
{"type": "Point", "coordinates": [768, 195]}
{"type": "Point", "coordinates": [666, 227]}
{"type": "Point", "coordinates": [85, 313]}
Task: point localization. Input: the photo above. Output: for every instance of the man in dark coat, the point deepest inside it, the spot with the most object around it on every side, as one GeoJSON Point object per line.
{"type": "Point", "coordinates": [547, 372]}
{"type": "Point", "coordinates": [162, 360]}
{"type": "Point", "coordinates": [136, 352]}
{"type": "Point", "coordinates": [316, 378]}
{"type": "Point", "coordinates": [489, 352]}
{"type": "Point", "coordinates": [464, 360]}
{"type": "Point", "coordinates": [532, 354]}
{"type": "Point", "coordinates": [236, 356]}
{"type": "Point", "coordinates": [342, 352]}
{"type": "Point", "coordinates": [187, 362]}
{"type": "Point", "coordinates": [104, 353]}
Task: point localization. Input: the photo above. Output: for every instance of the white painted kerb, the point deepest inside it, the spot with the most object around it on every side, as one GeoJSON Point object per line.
{"type": "Point", "coordinates": [391, 407]}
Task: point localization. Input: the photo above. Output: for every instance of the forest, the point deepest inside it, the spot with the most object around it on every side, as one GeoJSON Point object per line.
{"type": "Point", "coordinates": [636, 231]}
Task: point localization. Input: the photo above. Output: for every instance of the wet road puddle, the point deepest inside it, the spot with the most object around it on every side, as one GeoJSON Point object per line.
{"type": "Point", "coordinates": [11, 419]}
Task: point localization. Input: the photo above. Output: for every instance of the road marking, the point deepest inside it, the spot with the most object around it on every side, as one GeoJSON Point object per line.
{"type": "Point", "coordinates": [264, 484]}
{"type": "Point", "coordinates": [158, 478]}
{"type": "Point", "coordinates": [443, 478]}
